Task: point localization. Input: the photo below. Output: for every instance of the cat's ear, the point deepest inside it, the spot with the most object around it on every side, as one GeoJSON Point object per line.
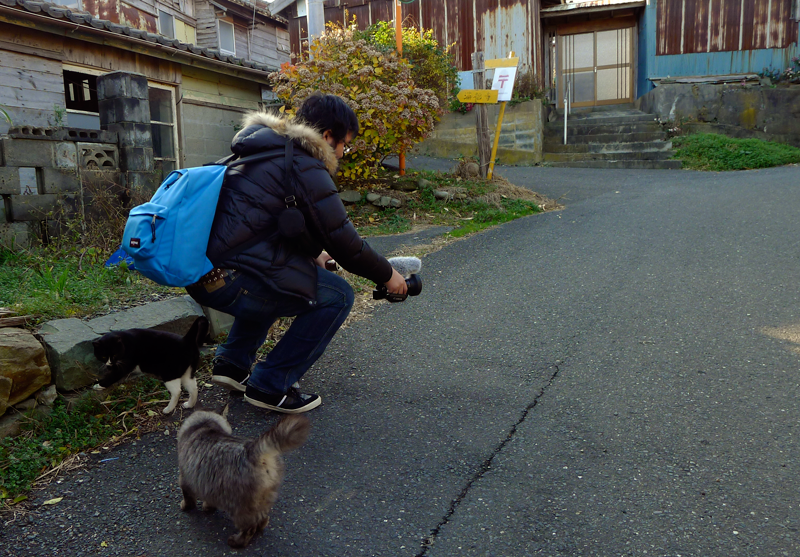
{"type": "Point", "coordinates": [224, 412]}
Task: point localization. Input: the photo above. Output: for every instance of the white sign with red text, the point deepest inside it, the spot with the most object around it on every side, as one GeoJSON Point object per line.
{"type": "Point", "coordinates": [503, 82]}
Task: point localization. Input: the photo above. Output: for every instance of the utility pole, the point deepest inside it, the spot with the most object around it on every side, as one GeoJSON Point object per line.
{"type": "Point", "coordinates": [315, 19]}
{"type": "Point", "coordinates": [482, 116]}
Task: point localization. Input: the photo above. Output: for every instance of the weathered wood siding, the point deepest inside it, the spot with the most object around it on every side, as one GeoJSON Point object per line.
{"type": "Point", "coordinates": [492, 26]}
{"type": "Point", "coordinates": [264, 44]}
{"type": "Point", "coordinates": [206, 25]}
{"type": "Point", "coordinates": [241, 37]}
{"type": "Point", "coordinates": [219, 89]}
{"type": "Point", "coordinates": [31, 88]}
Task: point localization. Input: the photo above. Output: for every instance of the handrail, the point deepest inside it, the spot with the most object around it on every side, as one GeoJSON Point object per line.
{"type": "Point", "coordinates": [566, 108]}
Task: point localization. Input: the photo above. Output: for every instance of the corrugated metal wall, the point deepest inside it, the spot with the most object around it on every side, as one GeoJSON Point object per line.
{"type": "Point", "coordinates": [682, 38]}
{"type": "Point", "coordinates": [695, 26]}
{"type": "Point", "coordinates": [493, 26]}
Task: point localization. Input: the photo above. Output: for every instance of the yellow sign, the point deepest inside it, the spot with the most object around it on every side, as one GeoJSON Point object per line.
{"type": "Point", "coordinates": [479, 96]}
{"type": "Point", "coordinates": [502, 63]}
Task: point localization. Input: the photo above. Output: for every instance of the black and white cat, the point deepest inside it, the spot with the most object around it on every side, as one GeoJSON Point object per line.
{"type": "Point", "coordinates": [166, 356]}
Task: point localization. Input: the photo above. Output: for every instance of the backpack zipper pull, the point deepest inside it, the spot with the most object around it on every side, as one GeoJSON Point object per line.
{"type": "Point", "coordinates": [153, 227]}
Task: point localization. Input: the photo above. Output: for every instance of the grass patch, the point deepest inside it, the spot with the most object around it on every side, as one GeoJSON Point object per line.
{"type": "Point", "coordinates": [475, 205]}
{"type": "Point", "coordinates": [87, 423]}
{"type": "Point", "coordinates": [704, 151]}
{"type": "Point", "coordinates": [53, 284]}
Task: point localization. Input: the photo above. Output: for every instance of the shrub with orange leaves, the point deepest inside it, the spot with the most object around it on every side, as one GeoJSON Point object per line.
{"type": "Point", "coordinates": [393, 113]}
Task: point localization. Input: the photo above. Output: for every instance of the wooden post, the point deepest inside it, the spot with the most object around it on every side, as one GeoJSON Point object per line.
{"type": "Point", "coordinates": [497, 132]}
{"type": "Point", "coordinates": [482, 115]}
{"type": "Point", "coordinates": [398, 33]}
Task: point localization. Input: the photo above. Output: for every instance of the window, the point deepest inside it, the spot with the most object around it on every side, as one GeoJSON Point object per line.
{"type": "Point", "coordinates": [162, 128]}
{"type": "Point", "coordinates": [80, 95]}
{"type": "Point", "coordinates": [166, 24]}
{"type": "Point", "coordinates": [227, 44]}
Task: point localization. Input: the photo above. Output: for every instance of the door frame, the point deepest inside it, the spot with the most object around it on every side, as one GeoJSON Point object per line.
{"type": "Point", "coordinates": [594, 27]}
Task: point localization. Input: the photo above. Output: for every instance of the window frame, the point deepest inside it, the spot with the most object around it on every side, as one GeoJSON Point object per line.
{"type": "Point", "coordinates": [174, 124]}
{"type": "Point", "coordinates": [233, 37]}
{"type": "Point", "coordinates": [162, 13]}
{"type": "Point", "coordinates": [85, 71]}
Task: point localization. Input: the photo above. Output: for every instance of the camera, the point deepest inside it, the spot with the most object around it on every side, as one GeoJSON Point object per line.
{"type": "Point", "coordinates": [414, 284]}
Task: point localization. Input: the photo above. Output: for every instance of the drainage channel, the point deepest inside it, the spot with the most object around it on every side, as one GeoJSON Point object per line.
{"type": "Point", "coordinates": [428, 542]}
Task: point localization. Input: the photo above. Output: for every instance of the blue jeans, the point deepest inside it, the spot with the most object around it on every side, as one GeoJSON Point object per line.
{"type": "Point", "coordinates": [256, 307]}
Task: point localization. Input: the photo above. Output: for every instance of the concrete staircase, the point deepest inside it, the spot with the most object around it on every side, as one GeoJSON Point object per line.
{"type": "Point", "coordinates": [608, 137]}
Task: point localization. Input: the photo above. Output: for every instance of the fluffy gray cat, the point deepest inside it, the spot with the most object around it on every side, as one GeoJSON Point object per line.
{"type": "Point", "coordinates": [239, 476]}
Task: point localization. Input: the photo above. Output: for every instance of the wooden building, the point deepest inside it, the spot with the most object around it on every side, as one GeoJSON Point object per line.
{"type": "Point", "coordinates": [206, 62]}
{"type": "Point", "coordinates": [610, 51]}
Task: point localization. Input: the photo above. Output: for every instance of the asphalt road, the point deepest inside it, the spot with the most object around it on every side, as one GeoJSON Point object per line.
{"type": "Point", "coordinates": [617, 378]}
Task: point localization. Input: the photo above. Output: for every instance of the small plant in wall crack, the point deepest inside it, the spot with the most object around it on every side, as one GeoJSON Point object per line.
{"type": "Point", "coordinates": [673, 127]}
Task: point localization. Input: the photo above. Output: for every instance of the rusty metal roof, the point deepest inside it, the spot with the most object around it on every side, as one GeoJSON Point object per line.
{"type": "Point", "coordinates": [590, 6]}
{"type": "Point", "coordinates": [92, 23]}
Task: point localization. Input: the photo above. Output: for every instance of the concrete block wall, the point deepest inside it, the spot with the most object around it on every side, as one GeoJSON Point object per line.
{"type": "Point", "coordinates": [51, 175]}
{"type": "Point", "coordinates": [41, 177]}
{"type": "Point", "coordinates": [208, 132]}
{"type": "Point", "coordinates": [521, 134]}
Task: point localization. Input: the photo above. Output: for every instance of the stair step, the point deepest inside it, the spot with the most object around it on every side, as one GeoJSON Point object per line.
{"type": "Point", "coordinates": [622, 163]}
{"type": "Point", "coordinates": [601, 128]}
{"type": "Point", "coordinates": [633, 137]}
{"type": "Point", "coordinates": [619, 155]}
{"type": "Point", "coordinates": [657, 145]}
{"type": "Point", "coordinates": [611, 118]}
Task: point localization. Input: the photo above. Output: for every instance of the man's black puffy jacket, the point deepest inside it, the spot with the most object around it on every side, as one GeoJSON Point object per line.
{"type": "Point", "coordinates": [252, 198]}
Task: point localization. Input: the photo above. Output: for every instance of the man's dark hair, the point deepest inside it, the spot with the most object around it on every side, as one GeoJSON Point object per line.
{"type": "Point", "coordinates": [329, 112]}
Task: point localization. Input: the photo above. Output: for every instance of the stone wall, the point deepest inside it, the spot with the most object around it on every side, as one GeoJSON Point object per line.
{"type": "Point", "coordinates": [763, 111]}
{"type": "Point", "coordinates": [521, 135]}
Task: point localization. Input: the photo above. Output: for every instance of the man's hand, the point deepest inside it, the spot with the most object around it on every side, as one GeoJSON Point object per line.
{"type": "Point", "coordinates": [322, 261]}
{"type": "Point", "coordinates": [397, 284]}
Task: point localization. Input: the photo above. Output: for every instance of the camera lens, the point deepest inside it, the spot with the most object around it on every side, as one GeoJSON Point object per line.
{"type": "Point", "coordinates": [414, 283]}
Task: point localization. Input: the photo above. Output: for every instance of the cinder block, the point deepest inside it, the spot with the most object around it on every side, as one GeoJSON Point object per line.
{"type": "Point", "coordinates": [124, 110]}
{"type": "Point", "coordinates": [136, 159]}
{"type": "Point", "coordinates": [98, 156]}
{"type": "Point", "coordinates": [84, 135]}
{"type": "Point", "coordinates": [9, 180]}
{"type": "Point", "coordinates": [26, 208]}
{"type": "Point", "coordinates": [142, 184]}
{"type": "Point", "coordinates": [114, 85]}
{"type": "Point", "coordinates": [17, 235]}
{"type": "Point", "coordinates": [28, 152]}
{"type": "Point", "coordinates": [66, 155]}
{"type": "Point", "coordinates": [133, 135]}
{"type": "Point", "coordinates": [58, 180]}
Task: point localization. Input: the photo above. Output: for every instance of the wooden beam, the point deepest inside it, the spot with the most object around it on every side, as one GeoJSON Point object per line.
{"type": "Point", "coordinates": [279, 5]}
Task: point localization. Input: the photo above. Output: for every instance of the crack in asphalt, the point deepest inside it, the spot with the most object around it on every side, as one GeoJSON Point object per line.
{"type": "Point", "coordinates": [428, 542]}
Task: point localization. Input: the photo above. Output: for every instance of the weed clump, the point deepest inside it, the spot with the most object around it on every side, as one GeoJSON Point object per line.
{"type": "Point", "coordinates": [705, 151]}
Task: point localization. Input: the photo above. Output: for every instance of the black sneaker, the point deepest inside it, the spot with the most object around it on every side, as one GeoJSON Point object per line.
{"type": "Point", "coordinates": [293, 402]}
{"type": "Point", "coordinates": [229, 376]}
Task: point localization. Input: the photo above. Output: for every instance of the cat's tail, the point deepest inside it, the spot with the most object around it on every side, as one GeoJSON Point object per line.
{"type": "Point", "coordinates": [198, 332]}
{"type": "Point", "coordinates": [288, 434]}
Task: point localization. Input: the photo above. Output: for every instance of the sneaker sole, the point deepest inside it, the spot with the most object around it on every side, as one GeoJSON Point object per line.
{"type": "Point", "coordinates": [229, 383]}
{"type": "Point", "coordinates": [306, 408]}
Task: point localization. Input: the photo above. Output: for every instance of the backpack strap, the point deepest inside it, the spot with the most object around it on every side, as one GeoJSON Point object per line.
{"type": "Point", "coordinates": [288, 180]}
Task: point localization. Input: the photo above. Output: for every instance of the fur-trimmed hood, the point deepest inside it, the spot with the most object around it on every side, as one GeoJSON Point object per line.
{"type": "Point", "coordinates": [307, 137]}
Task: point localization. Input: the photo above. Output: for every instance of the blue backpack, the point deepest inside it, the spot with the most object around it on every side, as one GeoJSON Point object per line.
{"type": "Point", "coordinates": [168, 236]}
